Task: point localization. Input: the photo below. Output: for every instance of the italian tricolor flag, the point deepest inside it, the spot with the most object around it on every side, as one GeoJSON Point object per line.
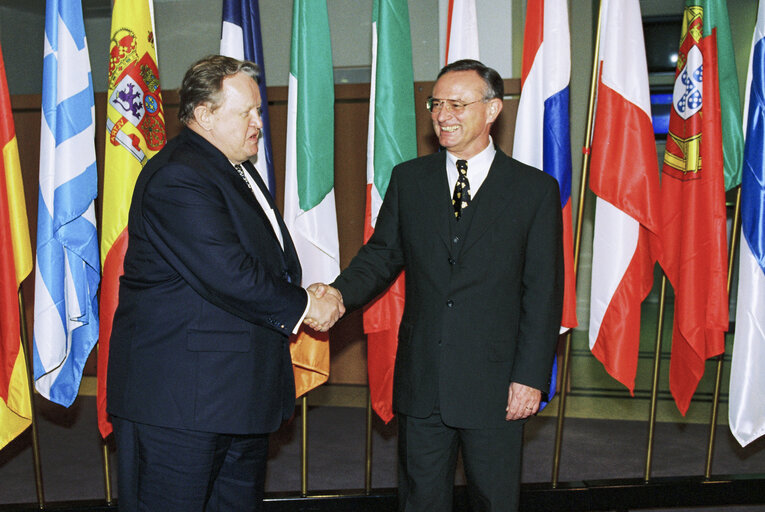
{"type": "Point", "coordinates": [309, 195]}
{"type": "Point", "coordinates": [392, 139]}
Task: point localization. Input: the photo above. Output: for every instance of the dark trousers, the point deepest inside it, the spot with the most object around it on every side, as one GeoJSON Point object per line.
{"type": "Point", "coordinates": [167, 470]}
{"type": "Point", "coordinates": [427, 458]}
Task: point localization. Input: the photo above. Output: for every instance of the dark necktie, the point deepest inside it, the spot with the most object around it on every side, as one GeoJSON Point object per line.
{"type": "Point", "coordinates": [461, 197]}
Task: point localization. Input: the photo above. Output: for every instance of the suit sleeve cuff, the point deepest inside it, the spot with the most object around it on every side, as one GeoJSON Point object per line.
{"type": "Point", "coordinates": [307, 307]}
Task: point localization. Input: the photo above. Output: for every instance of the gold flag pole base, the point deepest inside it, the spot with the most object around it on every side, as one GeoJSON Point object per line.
{"type": "Point", "coordinates": [577, 246]}
{"type": "Point", "coordinates": [304, 446]}
{"type": "Point", "coordinates": [655, 382]}
{"type": "Point", "coordinates": [30, 378]}
{"type": "Point", "coordinates": [368, 440]}
{"type": "Point", "coordinates": [718, 377]}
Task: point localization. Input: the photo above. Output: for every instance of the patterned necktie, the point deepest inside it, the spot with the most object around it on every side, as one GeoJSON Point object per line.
{"type": "Point", "coordinates": [461, 197]}
{"type": "Point", "coordinates": [240, 171]}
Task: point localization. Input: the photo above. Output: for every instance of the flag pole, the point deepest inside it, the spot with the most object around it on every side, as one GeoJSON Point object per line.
{"type": "Point", "coordinates": [304, 446]}
{"type": "Point", "coordinates": [107, 473]}
{"type": "Point", "coordinates": [30, 379]}
{"type": "Point", "coordinates": [655, 381]}
{"type": "Point", "coordinates": [718, 379]}
{"type": "Point", "coordinates": [368, 454]}
{"type": "Point", "coordinates": [577, 247]}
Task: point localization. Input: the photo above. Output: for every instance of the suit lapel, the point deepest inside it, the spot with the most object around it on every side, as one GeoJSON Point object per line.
{"type": "Point", "coordinates": [242, 186]}
{"type": "Point", "coordinates": [492, 199]}
{"type": "Point", "coordinates": [290, 253]}
{"type": "Point", "coordinates": [436, 199]}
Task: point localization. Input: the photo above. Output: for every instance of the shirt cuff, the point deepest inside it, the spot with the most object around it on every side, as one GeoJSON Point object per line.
{"type": "Point", "coordinates": [307, 307]}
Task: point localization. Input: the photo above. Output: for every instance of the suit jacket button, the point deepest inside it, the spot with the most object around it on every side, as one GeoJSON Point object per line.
{"type": "Point", "coordinates": [455, 239]}
{"type": "Point", "coordinates": [451, 261]}
{"type": "Point", "coordinates": [449, 303]}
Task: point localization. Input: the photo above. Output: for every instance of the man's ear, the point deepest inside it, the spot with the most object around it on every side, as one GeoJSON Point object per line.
{"type": "Point", "coordinates": [203, 116]}
{"type": "Point", "coordinates": [495, 107]}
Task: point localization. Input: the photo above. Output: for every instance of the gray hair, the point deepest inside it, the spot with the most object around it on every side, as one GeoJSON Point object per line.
{"type": "Point", "coordinates": [204, 80]}
{"type": "Point", "coordinates": [495, 87]}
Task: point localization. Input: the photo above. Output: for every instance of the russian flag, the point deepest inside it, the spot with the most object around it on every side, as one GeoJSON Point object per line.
{"type": "Point", "coordinates": [746, 410]}
{"type": "Point", "coordinates": [241, 39]}
{"type": "Point", "coordinates": [542, 137]}
{"type": "Point", "coordinates": [625, 177]}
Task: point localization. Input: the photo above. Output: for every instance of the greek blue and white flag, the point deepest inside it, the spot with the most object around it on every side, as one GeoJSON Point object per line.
{"type": "Point", "coordinates": [67, 270]}
{"type": "Point", "coordinates": [240, 38]}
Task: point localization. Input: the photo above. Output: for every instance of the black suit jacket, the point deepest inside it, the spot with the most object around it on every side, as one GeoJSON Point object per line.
{"type": "Point", "coordinates": [207, 301]}
{"type": "Point", "coordinates": [483, 298]}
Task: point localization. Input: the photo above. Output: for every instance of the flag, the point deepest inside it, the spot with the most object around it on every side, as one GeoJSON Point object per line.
{"type": "Point", "coordinates": [542, 137]}
{"type": "Point", "coordinates": [309, 195]}
{"type": "Point", "coordinates": [392, 139]}
{"type": "Point", "coordinates": [15, 265]}
{"type": "Point", "coordinates": [135, 124]}
{"type": "Point", "coordinates": [693, 225]}
{"type": "Point", "coordinates": [241, 39]}
{"type": "Point", "coordinates": [746, 409]}
{"type": "Point", "coordinates": [461, 31]}
{"type": "Point", "coordinates": [68, 270]}
{"type": "Point", "coordinates": [625, 178]}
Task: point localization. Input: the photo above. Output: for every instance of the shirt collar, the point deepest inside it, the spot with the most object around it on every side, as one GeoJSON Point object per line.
{"type": "Point", "coordinates": [482, 159]}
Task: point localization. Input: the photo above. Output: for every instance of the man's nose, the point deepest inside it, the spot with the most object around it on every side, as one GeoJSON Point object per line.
{"type": "Point", "coordinates": [444, 113]}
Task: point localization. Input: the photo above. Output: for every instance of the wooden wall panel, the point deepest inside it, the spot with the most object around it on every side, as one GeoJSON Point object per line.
{"type": "Point", "coordinates": [348, 350]}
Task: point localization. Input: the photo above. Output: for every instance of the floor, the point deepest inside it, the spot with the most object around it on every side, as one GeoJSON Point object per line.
{"type": "Point", "coordinates": [591, 449]}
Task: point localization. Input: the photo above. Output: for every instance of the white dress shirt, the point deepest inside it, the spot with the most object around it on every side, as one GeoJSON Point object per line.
{"type": "Point", "coordinates": [477, 168]}
{"type": "Point", "coordinates": [271, 214]}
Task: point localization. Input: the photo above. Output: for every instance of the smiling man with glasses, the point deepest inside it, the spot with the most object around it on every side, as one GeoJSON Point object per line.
{"type": "Point", "coordinates": [479, 237]}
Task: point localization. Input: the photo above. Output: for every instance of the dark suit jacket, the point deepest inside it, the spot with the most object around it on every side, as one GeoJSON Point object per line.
{"type": "Point", "coordinates": [483, 295]}
{"type": "Point", "coordinates": [207, 301]}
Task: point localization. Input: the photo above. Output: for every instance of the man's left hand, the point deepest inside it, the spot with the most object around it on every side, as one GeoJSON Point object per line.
{"type": "Point", "coordinates": [522, 401]}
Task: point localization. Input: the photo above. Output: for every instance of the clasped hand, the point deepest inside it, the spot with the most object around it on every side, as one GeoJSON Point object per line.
{"type": "Point", "coordinates": [522, 401]}
{"type": "Point", "coordinates": [326, 307]}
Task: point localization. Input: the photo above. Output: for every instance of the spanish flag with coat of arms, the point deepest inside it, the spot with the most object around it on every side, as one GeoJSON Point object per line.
{"type": "Point", "coordinates": [135, 124]}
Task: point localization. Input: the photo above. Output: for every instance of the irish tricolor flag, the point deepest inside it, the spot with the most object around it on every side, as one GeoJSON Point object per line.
{"type": "Point", "coordinates": [309, 195]}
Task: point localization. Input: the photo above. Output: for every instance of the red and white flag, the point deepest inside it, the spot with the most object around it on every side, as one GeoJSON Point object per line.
{"type": "Point", "coordinates": [461, 31]}
{"type": "Point", "coordinates": [625, 177]}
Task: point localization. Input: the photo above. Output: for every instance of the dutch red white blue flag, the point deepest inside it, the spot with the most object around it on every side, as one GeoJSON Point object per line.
{"type": "Point", "coordinates": [625, 177]}
{"type": "Point", "coordinates": [542, 136]}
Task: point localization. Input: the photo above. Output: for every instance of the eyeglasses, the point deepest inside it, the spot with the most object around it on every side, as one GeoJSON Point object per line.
{"type": "Point", "coordinates": [435, 105]}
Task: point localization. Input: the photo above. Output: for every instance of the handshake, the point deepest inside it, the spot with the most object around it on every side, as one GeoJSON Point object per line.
{"type": "Point", "coordinates": [326, 307]}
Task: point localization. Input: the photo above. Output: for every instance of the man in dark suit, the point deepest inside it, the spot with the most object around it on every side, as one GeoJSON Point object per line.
{"type": "Point", "coordinates": [483, 298]}
{"type": "Point", "coordinates": [199, 363]}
